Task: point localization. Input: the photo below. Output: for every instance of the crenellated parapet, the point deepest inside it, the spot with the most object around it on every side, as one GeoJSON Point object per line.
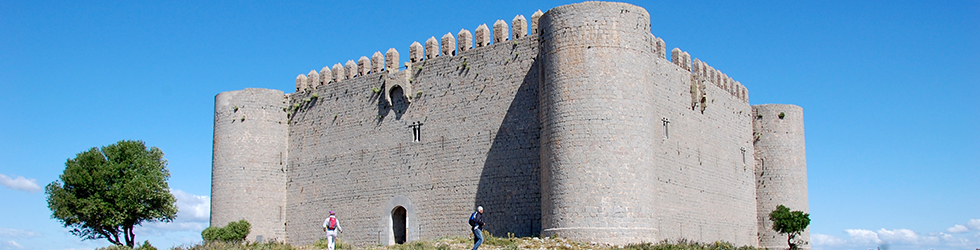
{"type": "Point", "coordinates": [500, 31]}
{"type": "Point", "coordinates": [520, 26]}
{"type": "Point", "coordinates": [465, 40]}
{"type": "Point", "coordinates": [704, 72]}
{"type": "Point", "coordinates": [482, 36]}
{"type": "Point", "coordinates": [448, 44]}
{"type": "Point", "coordinates": [534, 22]}
{"type": "Point", "coordinates": [418, 52]}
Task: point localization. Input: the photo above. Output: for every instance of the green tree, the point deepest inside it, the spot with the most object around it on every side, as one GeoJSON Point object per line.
{"type": "Point", "coordinates": [103, 193]}
{"type": "Point", "coordinates": [789, 223]}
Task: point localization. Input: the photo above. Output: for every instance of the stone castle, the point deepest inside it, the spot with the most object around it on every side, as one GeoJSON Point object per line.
{"type": "Point", "coordinates": [580, 127]}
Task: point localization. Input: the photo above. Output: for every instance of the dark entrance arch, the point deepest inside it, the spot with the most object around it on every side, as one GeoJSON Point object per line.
{"type": "Point", "coordinates": [399, 227]}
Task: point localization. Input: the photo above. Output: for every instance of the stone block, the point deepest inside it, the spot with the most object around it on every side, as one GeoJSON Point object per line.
{"type": "Point", "coordinates": [448, 44]}
{"type": "Point", "coordinates": [520, 26]}
{"type": "Point", "coordinates": [415, 52]}
{"type": "Point", "coordinates": [431, 48]}
{"type": "Point", "coordinates": [482, 35]}
{"type": "Point", "coordinates": [465, 40]}
{"type": "Point", "coordinates": [500, 31]}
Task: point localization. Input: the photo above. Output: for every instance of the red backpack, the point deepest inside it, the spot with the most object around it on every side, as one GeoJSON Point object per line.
{"type": "Point", "coordinates": [332, 224]}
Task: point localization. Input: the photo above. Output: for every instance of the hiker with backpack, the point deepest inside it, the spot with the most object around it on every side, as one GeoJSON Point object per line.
{"type": "Point", "coordinates": [476, 222]}
{"type": "Point", "coordinates": [332, 226]}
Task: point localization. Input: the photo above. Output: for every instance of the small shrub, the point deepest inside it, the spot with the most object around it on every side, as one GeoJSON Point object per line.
{"type": "Point", "coordinates": [236, 108]}
{"type": "Point", "coordinates": [233, 232]}
{"type": "Point", "coordinates": [781, 115]}
{"type": "Point", "coordinates": [145, 246]}
{"type": "Point", "coordinates": [315, 96]}
{"type": "Point", "coordinates": [243, 118]}
{"type": "Point", "coordinates": [375, 90]}
{"type": "Point", "coordinates": [114, 247]}
{"type": "Point", "coordinates": [419, 94]}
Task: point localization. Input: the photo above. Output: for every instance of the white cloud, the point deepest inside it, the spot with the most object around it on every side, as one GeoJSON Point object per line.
{"type": "Point", "coordinates": [20, 183]}
{"type": "Point", "coordinates": [194, 214]}
{"type": "Point", "coordinates": [10, 244]}
{"type": "Point", "coordinates": [193, 207]}
{"type": "Point", "coordinates": [896, 239]}
{"type": "Point", "coordinates": [17, 233]}
{"type": "Point", "coordinates": [863, 236]}
{"type": "Point", "coordinates": [826, 240]}
{"type": "Point", "coordinates": [955, 229]}
{"type": "Point", "coordinates": [898, 236]}
{"type": "Point", "coordinates": [974, 224]}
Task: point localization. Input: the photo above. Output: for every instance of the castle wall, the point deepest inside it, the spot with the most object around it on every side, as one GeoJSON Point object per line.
{"type": "Point", "coordinates": [598, 138]}
{"type": "Point", "coordinates": [595, 117]}
{"type": "Point", "coordinates": [780, 166]}
{"type": "Point", "coordinates": [354, 154]}
{"type": "Point", "coordinates": [248, 178]}
{"type": "Point", "coordinates": [704, 179]}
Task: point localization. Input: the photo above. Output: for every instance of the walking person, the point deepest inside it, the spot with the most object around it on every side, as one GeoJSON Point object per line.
{"type": "Point", "coordinates": [332, 226]}
{"type": "Point", "coordinates": [476, 221]}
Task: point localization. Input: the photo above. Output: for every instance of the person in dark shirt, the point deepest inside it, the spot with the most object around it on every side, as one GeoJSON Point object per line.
{"type": "Point", "coordinates": [476, 220]}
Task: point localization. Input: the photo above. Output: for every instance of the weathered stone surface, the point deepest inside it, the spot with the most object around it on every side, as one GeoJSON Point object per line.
{"type": "Point", "coordinates": [431, 48]}
{"type": "Point", "coordinates": [350, 69]}
{"type": "Point", "coordinates": [448, 44]}
{"type": "Point", "coordinates": [250, 148]}
{"type": "Point", "coordinates": [301, 83]}
{"type": "Point", "coordinates": [520, 26]}
{"type": "Point", "coordinates": [696, 68]}
{"type": "Point", "coordinates": [661, 48]}
{"type": "Point", "coordinates": [312, 79]}
{"type": "Point", "coordinates": [585, 123]}
{"type": "Point", "coordinates": [325, 75]}
{"type": "Point", "coordinates": [780, 167]}
{"type": "Point", "coordinates": [338, 72]}
{"type": "Point", "coordinates": [500, 31]}
{"type": "Point", "coordinates": [363, 66]}
{"type": "Point", "coordinates": [391, 60]}
{"type": "Point", "coordinates": [534, 21]}
{"type": "Point", "coordinates": [482, 35]}
{"type": "Point", "coordinates": [465, 40]}
{"type": "Point", "coordinates": [377, 62]}
{"type": "Point", "coordinates": [415, 52]}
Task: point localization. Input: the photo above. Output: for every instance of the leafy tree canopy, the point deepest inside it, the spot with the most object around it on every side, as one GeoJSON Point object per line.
{"type": "Point", "coordinates": [790, 223]}
{"type": "Point", "coordinates": [106, 192]}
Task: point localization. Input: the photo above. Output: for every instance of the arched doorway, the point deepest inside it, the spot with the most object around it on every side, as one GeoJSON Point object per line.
{"type": "Point", "coordinates": [399, 227]}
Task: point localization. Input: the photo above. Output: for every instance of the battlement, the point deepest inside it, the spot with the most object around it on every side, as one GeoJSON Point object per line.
{"type": "Point", "coordinates": [417, 52]}
{"type": "Point", "coordinates": [701, 71]}
{"type": "Point", "coordinates": [447, 45]}
{"type": "Point", "coordinates": [583, 118]}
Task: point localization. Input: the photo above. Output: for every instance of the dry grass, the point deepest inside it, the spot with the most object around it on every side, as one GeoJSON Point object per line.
{"type": "Point", "coordinates": [490, 243]}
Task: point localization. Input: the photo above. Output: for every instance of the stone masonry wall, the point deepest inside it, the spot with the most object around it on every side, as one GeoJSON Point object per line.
{"type": "Point", "coordinates": [354, 154]}
{"type": "Point", "coordinates": [598, 138]}
{"type": "Point", "coordinates": [597, 125]}
{"type": "Point", "coordinates": [706, 189]}
{"type": "Point", "coordinates": [249, 161]}
{"type": "Point", "coordinates": [780, 168]}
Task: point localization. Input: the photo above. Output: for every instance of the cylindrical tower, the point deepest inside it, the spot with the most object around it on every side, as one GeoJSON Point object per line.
{"type": "Point", "coordinates": [780, 168]}
{"type": "Point", "coordinates": [248, 172]}
{"type": "Point", "coordinates": [597, 128]}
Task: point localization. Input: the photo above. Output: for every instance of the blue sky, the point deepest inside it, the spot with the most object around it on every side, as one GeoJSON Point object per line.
{"type": "Point", "coordinates": [889, 92]}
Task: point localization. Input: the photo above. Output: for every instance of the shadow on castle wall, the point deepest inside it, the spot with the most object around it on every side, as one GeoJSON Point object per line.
{"type": "Point", "coordinates": [509, 188]}
{"type": "Point", "coordinates": [399, 104]}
